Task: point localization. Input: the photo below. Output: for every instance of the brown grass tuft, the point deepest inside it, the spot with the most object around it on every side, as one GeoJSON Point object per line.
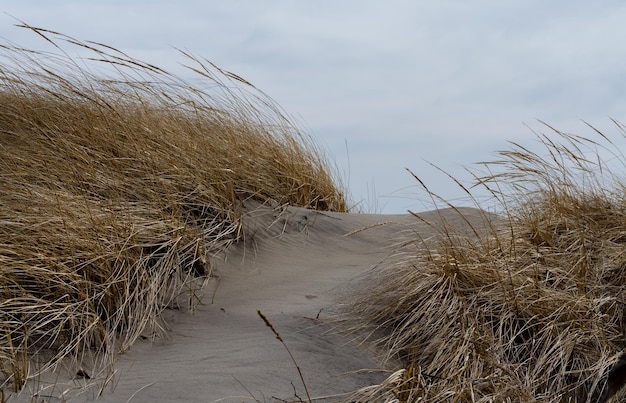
{"type": "Point", "coordinates": [118, 180]}
{"type": "Point", "coordinates": [528, 308]}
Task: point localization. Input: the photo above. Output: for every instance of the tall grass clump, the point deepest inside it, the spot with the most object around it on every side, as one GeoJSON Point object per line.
{"type": "Point", "coordinates": [529, 305]}
{"type": "Point", "coordinates": [118, 181]}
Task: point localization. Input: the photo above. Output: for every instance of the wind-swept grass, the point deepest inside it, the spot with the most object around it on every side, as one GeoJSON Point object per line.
{"type": "Point", "coordinates": [529, 307]}
{"type": "Point", "coordinates": [118, 180]}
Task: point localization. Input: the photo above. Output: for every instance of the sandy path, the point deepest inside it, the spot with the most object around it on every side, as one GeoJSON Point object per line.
{"type": "Point", "coordinates": [293, 273]}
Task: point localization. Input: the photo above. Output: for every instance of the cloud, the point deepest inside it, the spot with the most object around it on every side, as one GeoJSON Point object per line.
{"type": "Point", "coordinates": [400, 81]}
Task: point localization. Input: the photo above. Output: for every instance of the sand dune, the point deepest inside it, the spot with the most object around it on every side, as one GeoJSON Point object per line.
{"type": "Point", "coordinates": [294, 266]}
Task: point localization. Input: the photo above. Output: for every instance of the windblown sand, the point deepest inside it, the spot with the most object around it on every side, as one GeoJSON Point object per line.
{"type": "Point", "coordinates": [294, 266]}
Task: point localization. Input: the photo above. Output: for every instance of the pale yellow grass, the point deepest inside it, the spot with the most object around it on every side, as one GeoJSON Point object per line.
{"type": "Point", "coordinates": [528, 307]}
{"type": "Point", "coordinates": [118, 181]}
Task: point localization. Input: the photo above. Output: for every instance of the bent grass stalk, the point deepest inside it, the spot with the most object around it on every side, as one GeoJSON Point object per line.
{"type": "Point", "coordinates": [295, 363]}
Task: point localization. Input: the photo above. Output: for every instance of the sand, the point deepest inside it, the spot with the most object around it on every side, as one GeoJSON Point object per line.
{"type": "Point", "coordinates": [296, 266]}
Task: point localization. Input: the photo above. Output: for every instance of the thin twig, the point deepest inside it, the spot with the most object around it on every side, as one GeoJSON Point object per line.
{"type": "Point", "coordinates": [269, 324]}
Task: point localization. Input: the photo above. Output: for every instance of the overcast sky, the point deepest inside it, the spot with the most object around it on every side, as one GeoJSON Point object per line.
{"type": "Point", "coordinates": [383, 85]}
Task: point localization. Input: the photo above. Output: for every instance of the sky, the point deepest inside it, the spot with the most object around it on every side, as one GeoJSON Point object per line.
{"type": "Point", "coordinates": [383, 86]}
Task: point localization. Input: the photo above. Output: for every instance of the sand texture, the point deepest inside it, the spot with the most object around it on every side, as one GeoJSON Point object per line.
{"type": "Point", "coordinates": [294, 266]}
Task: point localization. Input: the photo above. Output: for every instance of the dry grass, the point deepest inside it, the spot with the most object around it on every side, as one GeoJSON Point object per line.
{"type": "Point", "coordinates": [529, 308]}
{"type": "Point", "coordinates": [118, 181]}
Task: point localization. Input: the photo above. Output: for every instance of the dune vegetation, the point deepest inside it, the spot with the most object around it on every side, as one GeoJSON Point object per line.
{"type": "Point", "coordinates": [528, 307]}
{"type": "Point", "coordinates": [118, 182]}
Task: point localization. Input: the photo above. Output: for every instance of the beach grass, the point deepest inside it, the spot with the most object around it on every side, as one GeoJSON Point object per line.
{"type": "Point", "coordinates": [528, 306]}
{"type": "Point", "coordinates": [118, 183]}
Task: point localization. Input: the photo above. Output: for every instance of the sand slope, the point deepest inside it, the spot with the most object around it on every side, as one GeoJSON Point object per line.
{"type": "Point", "coordinates": [293, 266]}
